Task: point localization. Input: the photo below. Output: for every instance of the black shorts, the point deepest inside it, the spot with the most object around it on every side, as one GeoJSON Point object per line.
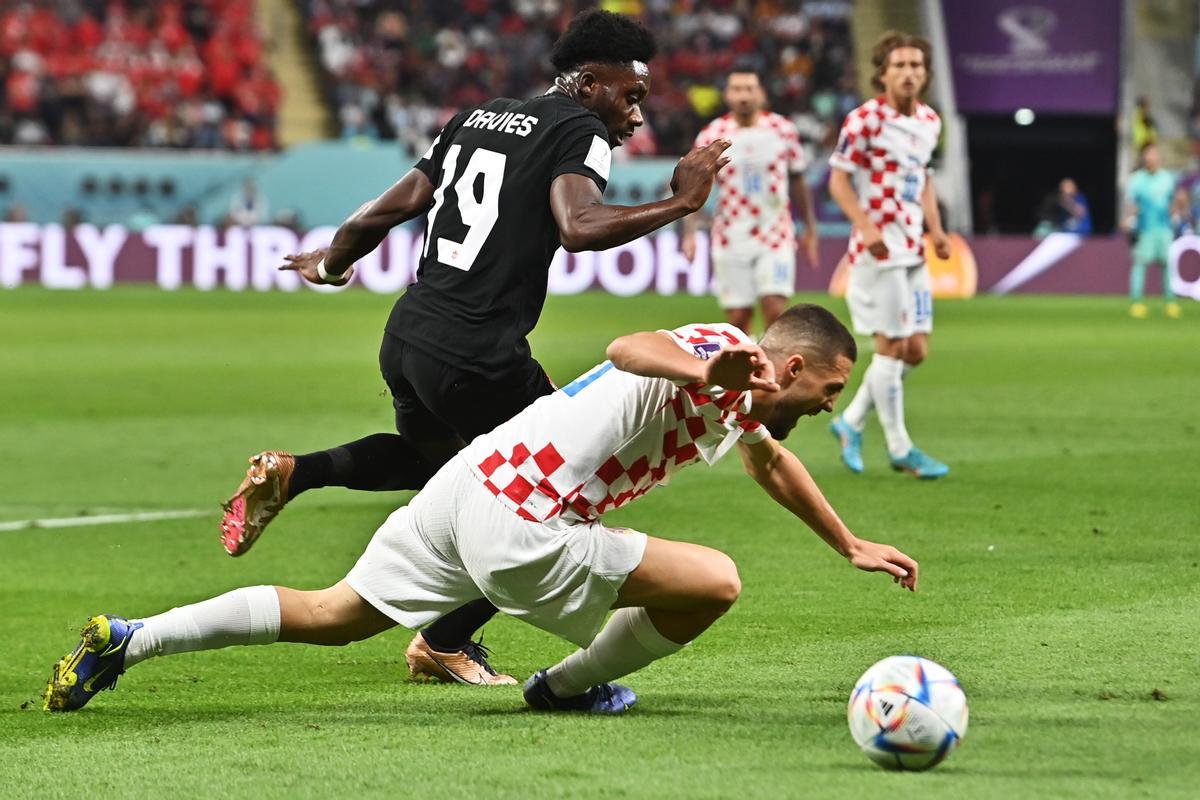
{"type": "Point", "coordinates": [436, 401]}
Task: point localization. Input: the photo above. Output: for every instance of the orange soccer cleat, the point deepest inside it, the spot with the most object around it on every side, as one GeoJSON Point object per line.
{"type": "Point", "coordinates": [262, 495]}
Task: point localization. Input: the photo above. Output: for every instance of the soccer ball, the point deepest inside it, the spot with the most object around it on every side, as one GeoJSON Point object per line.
{"type": "Point", "coordinates": [908, 713]}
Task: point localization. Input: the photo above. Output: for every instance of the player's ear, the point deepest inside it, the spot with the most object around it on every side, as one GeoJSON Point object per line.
{"type": "Point", "coordinates": [795, 365]}
{"type": "Point", "coordinates": [588, 84]}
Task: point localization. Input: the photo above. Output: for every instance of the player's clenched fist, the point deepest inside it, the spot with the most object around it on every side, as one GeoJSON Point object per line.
{"type": "Point", "coordinates": [694, 174]}
{"type": "Point", "coordinates": [872, 239]}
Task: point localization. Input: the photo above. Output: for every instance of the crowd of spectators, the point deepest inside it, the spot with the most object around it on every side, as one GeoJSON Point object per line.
{"type": "Point", "coordinates": [176, 73]}
{"type": "Point", "coordinates": [398, 69]}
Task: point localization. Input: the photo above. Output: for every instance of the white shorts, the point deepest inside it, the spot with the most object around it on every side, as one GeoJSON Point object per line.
{"type": "Point", "coordinates": [746, 274]}
{"type": "Point", "coordinates": [894, 301]}
{"type": "Point", "coordinates": [455, 543]}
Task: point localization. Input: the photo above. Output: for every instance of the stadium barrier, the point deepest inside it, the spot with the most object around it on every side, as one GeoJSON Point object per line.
{"type": "Point", "coordinates": [238, 259]}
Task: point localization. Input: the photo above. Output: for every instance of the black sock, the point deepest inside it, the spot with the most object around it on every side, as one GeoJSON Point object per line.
{"type": "Point", "coordinates": [379, 463]}
{"type": "Point", "coordinates": [453, 631]}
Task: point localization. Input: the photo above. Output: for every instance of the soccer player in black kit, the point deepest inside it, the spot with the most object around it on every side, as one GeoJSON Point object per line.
{"type": "Point", "coordinates": [503, 186]}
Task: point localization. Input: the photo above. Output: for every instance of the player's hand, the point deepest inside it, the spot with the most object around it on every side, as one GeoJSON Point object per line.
{"type": "Point", "coordinates": [740, 367]}
{"type": "Point", "coordinates": [693, 177]}
{"type": "Point", "coordinates": [687, 246]}
{"type": "Point", "coordinates": [809, 242]}
{"type": "Point", "coordinates": [874, 557]}
{"type": "Point", "coordinates": [306, 265]}
{"type": "Point", "coordinates": [941, 244]}
{"type": "Point", "coordinates": [873, 241]}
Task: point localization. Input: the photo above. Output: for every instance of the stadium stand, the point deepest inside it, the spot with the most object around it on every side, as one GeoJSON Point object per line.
{"type": "Point", "coordinates": [179, 74]}
{"type": "Point", "coordinates": [399, 70]}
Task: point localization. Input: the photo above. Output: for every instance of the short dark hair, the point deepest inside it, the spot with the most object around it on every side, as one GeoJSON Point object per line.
{"type": "Point", "coordinates": [747, 67]}
{"type": "Point", "coordinates": [813, 329]}
{"type": "Point", "coordinates": [881, 54]}
{"type": "Point", "coordinates": [602, 37]}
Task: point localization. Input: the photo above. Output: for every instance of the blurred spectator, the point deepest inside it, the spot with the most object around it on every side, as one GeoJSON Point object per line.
{"type": "Point", "coordinates": [288, 218]}
{"type": "Point", "coordinates": [188, 215]}
{"type": "Point", "coordinates": [145, 216]}
{"type": "Point", "coordinates": [177, 73]}
{"type": "Point", "coordinates": [248, 206]}
{"type": "Point", "coordinates": [1065, 210]}
{"type": "Point", "coordinates": [1145, 131]}
{"type": "Point", "coordinates": [72, 216]}
{"type": "Point", "coordinates": [16, 213]}
{"type": "Point", "coordinates": [1183, 217]}
{"type": "Point", "coordinates": [401, 70]}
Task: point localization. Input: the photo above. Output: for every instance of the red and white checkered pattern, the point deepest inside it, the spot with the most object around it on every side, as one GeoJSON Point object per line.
{"type": "Point", "coordinates": [753, 200]}
{"type": "Point", "coordinates": [570, 457]}
{"type": "Point", "coordinates": [888, 153]}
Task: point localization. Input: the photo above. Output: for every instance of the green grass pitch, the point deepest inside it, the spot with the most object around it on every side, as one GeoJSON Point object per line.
{"type": "Point", "coordinates": [1060, 576]}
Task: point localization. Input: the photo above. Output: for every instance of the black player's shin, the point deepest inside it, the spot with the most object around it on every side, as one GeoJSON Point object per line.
{"type": "Point", "coordinates": [455, 630]}
{"type": "Point", "coordinates": [378, 463]}
{"type": "Point", "coordinates": [444, 651]}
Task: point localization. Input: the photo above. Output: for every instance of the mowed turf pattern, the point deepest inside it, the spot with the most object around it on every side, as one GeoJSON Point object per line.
{"type": "Point", "coordinates": [1059, 566]}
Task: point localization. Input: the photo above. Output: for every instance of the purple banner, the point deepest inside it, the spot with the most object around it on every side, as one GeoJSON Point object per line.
{"type": "Point", "coordinates": [247, 259]}
{"type": "Point", "coordinates": [1058, 56]}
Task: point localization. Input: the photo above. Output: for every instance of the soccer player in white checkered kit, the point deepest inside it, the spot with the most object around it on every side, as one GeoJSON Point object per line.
{"type": "Point", "coordinates": [753, 241]}
{"type": "Point", "coordinates": [516, 517]}
{"type": "Point", "coordinates": [880, 181]}
{"type": "Point", "coordinates": [503, 186]}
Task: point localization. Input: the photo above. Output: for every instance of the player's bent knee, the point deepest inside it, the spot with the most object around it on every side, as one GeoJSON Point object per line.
{"type": "Point", "coordinates": [725, 583]}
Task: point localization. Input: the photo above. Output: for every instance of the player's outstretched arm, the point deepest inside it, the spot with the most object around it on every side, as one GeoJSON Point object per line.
{"type": "Point", "coordinates": [586, 223]}
{"type": "Point", "coordinates": [653, 354]}
{"type": "Point", "coordinates": [783, 477]}
{"type": "Point", "coordinates": [362, 232]}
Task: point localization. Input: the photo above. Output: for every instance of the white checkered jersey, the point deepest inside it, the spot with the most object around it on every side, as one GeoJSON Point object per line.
{"type": "Point", "coordinates": [611, 436]}
{"type": "Point", "coordinates": [754, 202]}
{"type": "Point", "coordinates": [888, 155]}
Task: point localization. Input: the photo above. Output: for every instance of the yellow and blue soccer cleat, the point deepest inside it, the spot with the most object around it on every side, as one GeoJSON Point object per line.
{"type": "Point", "coordinates": [922, 465]}
{"type": "Point", "coordinates": [606, 698]}
{"type": "Point", "coordinates": [95, 663]}
{"type": "Point", "coordinates": [851, 442]}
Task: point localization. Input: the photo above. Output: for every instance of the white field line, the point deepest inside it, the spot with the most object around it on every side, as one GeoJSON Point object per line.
{"type": "Point", "coordinates": [101, 519]}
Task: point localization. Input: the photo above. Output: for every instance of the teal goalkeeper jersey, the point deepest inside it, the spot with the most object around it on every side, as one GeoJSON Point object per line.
{"type": "Point", "coordinates": [1152, 194]}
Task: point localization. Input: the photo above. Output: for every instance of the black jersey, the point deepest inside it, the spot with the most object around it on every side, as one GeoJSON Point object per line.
{"type": "Point", "coordinates": [490, 235]}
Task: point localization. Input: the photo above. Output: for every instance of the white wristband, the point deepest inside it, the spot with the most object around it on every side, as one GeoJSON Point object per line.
{"type": "Point", "coordinates": [325, 276]}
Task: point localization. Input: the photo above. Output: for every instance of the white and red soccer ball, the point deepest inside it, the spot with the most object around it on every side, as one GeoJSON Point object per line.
{"type": "Point", "coordinates": [907, 713]}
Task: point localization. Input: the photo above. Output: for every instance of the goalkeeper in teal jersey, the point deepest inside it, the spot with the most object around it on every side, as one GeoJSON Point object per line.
{"type": "Point", "coordinates": [1151, 190]}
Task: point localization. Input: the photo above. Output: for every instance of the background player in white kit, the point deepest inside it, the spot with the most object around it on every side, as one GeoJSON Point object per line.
{"type": "Point", "coordinates": [516, 517]}
{"type": "Point", "coordinates": [880, 179]}
{"type": "Point", "coordinates": [753, 237]}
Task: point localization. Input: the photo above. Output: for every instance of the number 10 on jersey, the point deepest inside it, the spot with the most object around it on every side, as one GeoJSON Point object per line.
{"type": "Point", "coordinates": [479, 215]}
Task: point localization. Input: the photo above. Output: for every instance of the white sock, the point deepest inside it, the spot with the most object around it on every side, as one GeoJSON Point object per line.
{"type": "Point", "coordinates": [243, 616]}
{"type": "Point", "coordinates": [855, 414]}
{"type": "Point", "coordinates": [626, 644]}
{"type": "Point", "coordinates": [885, 376]}
{"type": "Point", "coordinates": [860, 406]}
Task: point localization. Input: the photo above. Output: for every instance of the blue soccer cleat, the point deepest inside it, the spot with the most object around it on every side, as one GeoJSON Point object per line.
{"type": "Point", "coordinates": [95, 663]}
{"type": "Point", "coordinates": [606, 698]}
{"type": "Point", "coordinates": [851, 442]}
{"type": "Point", "coordinates": [919, 464]}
